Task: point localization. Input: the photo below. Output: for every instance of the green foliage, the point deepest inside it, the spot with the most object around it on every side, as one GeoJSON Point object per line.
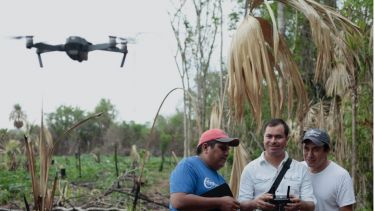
{"type": "Point", "coordinates": [63, 118]}
{"type": "Point", "coordinates": [95, 180]}
{"type": "Point", "coordinates": [109, 112]}
{"type": "Point", "coordinates": [133, 133]}
{"type": "Point", "coordinates": [13, 184]}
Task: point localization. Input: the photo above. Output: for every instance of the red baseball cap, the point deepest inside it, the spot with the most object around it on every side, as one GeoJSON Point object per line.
{"type": "Point", "coordinates": [218, 135]}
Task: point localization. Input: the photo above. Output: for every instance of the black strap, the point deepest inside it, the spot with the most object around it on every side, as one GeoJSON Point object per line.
{"type": "Point", "coordinates": [280, 176]}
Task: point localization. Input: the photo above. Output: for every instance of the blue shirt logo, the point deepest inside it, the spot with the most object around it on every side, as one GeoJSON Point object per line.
{"type": "Point", "coordinates": [209, 184]}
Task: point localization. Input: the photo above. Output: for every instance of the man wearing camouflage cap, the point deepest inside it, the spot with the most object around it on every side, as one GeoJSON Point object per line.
{"type": "Point", "coordinates": [332, 184]}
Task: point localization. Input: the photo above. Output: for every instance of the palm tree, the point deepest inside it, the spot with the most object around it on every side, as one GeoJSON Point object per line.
{"type": "Point", "coordinates": [260, 59]}
{"type": "Point", "coordinates": [18, 116]}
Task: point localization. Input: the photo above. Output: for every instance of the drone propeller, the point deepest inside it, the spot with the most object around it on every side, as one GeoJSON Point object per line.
{"type": "Point", "coordinates": [29, 40]}
{"type": "Point", "coordinates": [22, 37]}
{"type": "Point", "coordinates": [130, 40]}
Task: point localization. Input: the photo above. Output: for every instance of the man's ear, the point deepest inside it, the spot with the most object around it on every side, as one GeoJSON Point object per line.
{"type": "Point", "coordinates": [204, 146]}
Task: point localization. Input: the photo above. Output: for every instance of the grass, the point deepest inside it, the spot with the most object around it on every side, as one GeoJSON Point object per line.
{"type": "Point", "coordinates": [96, 179]}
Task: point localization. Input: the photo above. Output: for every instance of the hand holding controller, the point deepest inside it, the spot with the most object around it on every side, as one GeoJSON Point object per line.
{"type": "Point", "coordinates": [280, 201]}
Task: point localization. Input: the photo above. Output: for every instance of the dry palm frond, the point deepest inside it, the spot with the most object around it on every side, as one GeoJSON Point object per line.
{"type": "Point", "coordinates": [214, 117]}
{"type": "Point", "coordinates": [343, 68]}
{"type": "Point", "coordinates": [31, 164]}
{"type": "Point", "coordinates": [275, 33]}
{"type": "Point", "coordinates": [338, 82]}
{"type": "Point", "coordinates": [333, 18]}
{"type": "Point", "coordinates": [326, 24]}
{"type": "Point", "coordinates": [253, 65]}
{"type": "Point", "coordinates": [291, 84]}
{"type": "Point", "coordinates": [294, 131]}
{"type": "Point", "coordinates": [134, 155]}
{"type": "Point", "coordinates": [250, 69]}
{"type": "Point", "coordinates": [257, 51]}
{"type": "Point", "coordinates": [240, 159]}
{"type": "Point", "coordinates": [336, 129]}
{"type": "Point", "coordinates": [316, 115]}
{"type": "Point", "coordinates": [321, 34]}
{"type": "Point", "coordinates": [43, 196]}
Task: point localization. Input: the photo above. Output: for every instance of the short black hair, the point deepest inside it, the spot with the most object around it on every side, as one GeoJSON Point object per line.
{"type": "Point", "coordinates": [209, 143]}
{"type": "Point", "coordinates": [275, 122]}
{"type": "Point", "coordinates": [326, 147]}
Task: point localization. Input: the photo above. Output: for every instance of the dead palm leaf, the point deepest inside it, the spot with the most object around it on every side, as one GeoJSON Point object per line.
{"type": "Point", "coordinates": [249, 70]}
{"type": "Point", "coordinates": [326, 25]}
{"type": "Point", "coordinates": [338, 82]}
{"type": "Point", "coordinates": [215, 117]}
{"type": "Point", "coordinates": [134, 155]}
{"type": "Point", "coordinates": [240, 160]}
{"type": "Point", "coordinates": [257, 52]}
{"type": "Point", "coordinates": [253, 65]}
{"type": "Point", "coordinates": [316, 115]}
{"type": "Point", "coordinates": [43, 196]}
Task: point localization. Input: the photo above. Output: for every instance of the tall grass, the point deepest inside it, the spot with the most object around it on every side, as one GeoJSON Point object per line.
{"type": "Point", "coordinates": [42, 194]}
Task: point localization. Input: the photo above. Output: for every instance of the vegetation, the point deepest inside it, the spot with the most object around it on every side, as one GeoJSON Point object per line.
{"type": "Point", "coordinates": [317, 71]}
{"type": "Point", "coordinates": [306, 62]}
{"type": "Point", "coordinates": [96, 187]}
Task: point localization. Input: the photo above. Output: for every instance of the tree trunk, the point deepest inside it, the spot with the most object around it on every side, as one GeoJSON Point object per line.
{"type": "Point", "coordinates": [354, 129]}
{"type": "Point", "coordinates": [307, 63]}
{"type": "Point", "coordinates": [281, 18]}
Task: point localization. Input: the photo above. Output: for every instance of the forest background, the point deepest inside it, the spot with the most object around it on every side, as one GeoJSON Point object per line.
{"type": "Point", "coordinates": [345, 109]}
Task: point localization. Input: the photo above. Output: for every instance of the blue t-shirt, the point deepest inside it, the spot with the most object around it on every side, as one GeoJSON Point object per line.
{"type": "Point", "coordinates": [193, 176]}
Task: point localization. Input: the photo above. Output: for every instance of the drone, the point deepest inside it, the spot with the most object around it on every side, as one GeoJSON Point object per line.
{"type": "Point", "coordinates": [77, 48]}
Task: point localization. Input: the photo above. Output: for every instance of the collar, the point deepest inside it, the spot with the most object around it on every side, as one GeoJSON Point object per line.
{"type": "Point", "coordinates": [263, 160]}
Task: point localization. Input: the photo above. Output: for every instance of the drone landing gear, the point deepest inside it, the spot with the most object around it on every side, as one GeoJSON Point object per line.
{"type": "Point", "coordinates": [40, 60]}
{"type": "Point", "coordinates": [123, 59]}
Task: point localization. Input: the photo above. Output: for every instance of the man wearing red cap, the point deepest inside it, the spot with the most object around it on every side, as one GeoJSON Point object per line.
{"type": "Point", "coordinates": [195, 183]}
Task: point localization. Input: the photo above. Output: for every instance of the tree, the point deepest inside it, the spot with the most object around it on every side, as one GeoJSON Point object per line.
{"type": "Point", "coordinates": [60, 121]}
{"type": "Point", "coordinates": [109, 114]}
{"type": "Point", "coordinates": [18, 116]}
{"type": "Point", "coordinates": [260, 58]}
{"type": "Point", "coordinates": [334, 86]}
{"type": "Point", "coordinates": [196, 40]}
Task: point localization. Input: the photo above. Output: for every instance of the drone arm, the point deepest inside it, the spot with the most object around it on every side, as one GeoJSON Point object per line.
{"type": "Point", "coordinates": [43, 48]}
{"type": "Point", "coordinates": [103, 46]}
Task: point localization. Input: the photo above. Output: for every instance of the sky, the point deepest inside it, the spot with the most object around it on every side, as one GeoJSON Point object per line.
{"type": "Point", "coordinates": [136, 90]}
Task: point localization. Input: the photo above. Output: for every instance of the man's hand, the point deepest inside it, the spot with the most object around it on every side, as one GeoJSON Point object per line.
{"type": "Point", "coordinates": [298, 204]}
{"type": "Point", "coordinates": [229, 204]}
{"type": "Point", "coordinates": [261, 202]}
{"type": "Point", "coordinates": [295, 205]}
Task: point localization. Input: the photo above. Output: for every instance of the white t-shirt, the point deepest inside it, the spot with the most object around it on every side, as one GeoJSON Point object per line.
{"type": "Point", "coordinates": [333, 188]}
{"type": "Point", "coordinates": [259, 175]}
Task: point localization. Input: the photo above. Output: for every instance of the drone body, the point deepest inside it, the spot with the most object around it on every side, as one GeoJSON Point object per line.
{"type": "Point", "coordinates": [77, 48]}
